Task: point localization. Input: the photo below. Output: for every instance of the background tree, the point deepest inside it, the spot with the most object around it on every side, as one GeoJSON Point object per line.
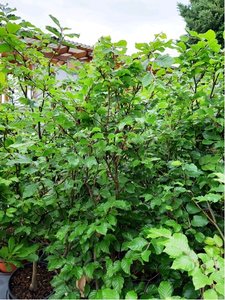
{"type": "Point", "coordinates": [202, 15]}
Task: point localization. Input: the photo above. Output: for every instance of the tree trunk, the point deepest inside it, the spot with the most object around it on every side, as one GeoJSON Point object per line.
{"type": "Point", "coordinates": [33, 285]}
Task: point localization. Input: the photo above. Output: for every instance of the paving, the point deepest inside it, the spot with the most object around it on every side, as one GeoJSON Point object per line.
{"type": "Point", "coordinates": [4, 278]}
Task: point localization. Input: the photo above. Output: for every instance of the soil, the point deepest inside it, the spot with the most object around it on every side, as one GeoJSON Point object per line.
{"type": "Point", "coordinates": [20, 283]}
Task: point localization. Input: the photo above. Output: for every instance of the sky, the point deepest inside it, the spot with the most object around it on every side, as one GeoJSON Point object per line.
{"type": "Point", "coordinates": [130, 20]}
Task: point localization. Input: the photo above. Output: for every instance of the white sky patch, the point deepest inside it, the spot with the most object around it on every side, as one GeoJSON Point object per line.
{"type": "Point", "coordinates": [131, 20]}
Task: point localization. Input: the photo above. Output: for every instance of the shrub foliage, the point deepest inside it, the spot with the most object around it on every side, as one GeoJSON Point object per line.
{"type": "Point", "coordinates": [115, 172]}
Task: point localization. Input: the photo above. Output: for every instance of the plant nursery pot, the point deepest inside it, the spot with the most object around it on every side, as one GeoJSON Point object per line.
{"type": "Point", "coordinates": [20, 280]}
{"type": "Point", "coordinates": [7, 267]}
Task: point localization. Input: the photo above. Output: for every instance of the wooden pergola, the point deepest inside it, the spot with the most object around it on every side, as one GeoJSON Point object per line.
{"type": "Point", "coordinates": [58, 54]}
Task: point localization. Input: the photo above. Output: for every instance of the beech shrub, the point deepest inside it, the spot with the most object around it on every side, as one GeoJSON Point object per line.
{"type": "Point", "coordinates": [116, 171]}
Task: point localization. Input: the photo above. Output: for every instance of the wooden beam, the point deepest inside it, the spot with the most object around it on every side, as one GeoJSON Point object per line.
{"type": "Point", "coordinates": [78, 53]}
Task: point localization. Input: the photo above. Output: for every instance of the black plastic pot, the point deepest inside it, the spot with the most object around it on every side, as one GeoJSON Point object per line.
{"type": "Point", "coordinates": [9, 293]}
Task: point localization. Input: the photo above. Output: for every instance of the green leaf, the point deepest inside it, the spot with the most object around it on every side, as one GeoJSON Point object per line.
{"type": "Point", "coordinates": [192, 170]}
{"type": "Point", "coordinates": [159, 232]}
{"type": "Point", "coordinates": [90, 268]}
{"type": "Point", "coordinates": [147, 79]}
{"type": "Point", "coordinates": [5, 48]}
{"type": "Point", "coordinates": [171, 223]}
{"type": "Point", "coordinates": [137, 244]}
{"type": "Point", "coordinates": [121, 204]}
{"type": "Point", "coordinates": [200, 280]}
{"type": "Point", "coordinates": [117, 283]}
{"type": "Point", "coordinates": [55, 20]}
{"type": "Point", "coordinates": [54, 263]}
{"type": "Point", "coordinates": [78, 231]}
{"type": "Point", "coordinates": [221, 177]}
{"type": "Point", "coordinates": [11, 243]}
{"type": "Point", "coordinates": [90, 161]}
{"type": "Point", "coordinates": [218, 240]}
{"type": "Point", "coordinates": [5, 181]}
{"type": "Point", "coordinates": [2, 78]}
{"type": "Point", "coordinates": [73, 160]}
{"type": "Point", "coordinates": [30, 190]}
{"type": "Point", "coordinates": [110, 294]}
{"type": "Point", "coordinates": [22, 159]}
{"type": "Point", "coordinates": [125, 265]}
{"type": "Point", "coordinates": [176, 163]}
{"type": "Point", "coordinates": [102, 228]}
{"type": "Point", "coordinates": [177, 245]}
{"type": "Point", "coordinates": [121, 43]}
{"type": "Point", "coordinates": [131, 295]}
{"type": "Point", "coordinates": [209, 35]}
{"type": "Point", "coordinates": [164, 61]}
{"type": "Point", "coordinates": [165, 289]}
{"type": "Point", "coordinates": [61, 233]}
{"type": "Point", "coordinates": [210, 294]}
{"type": "Point", "coordinates": [219, 287]}
{"type": "Point", "coordinates": [10, 212]}
{"type": "Point", "coordinates": [192, 208]}
{"type": "Point", "coordinates": [200, 237]}
{"type": "Point", "coordinates": [183, 262]}
{"type": "Point", "coordinates": [142, 46]}
{"type": "Point", "coordinates": [145, 255]}
{"type": "Point", "coordinates": [199, 221]}
{"type": "Point", "coordinates": [12, 27]}
{"type": "Point", "coordinates": [53, 30]}
{"type": "Point", "coordinates": [210, 198]}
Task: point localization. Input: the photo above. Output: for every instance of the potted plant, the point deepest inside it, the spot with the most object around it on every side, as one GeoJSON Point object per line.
{"type": "Point", "coordinates": [14, 254]}
{"type": "Point", "coordinates": [32, 281]}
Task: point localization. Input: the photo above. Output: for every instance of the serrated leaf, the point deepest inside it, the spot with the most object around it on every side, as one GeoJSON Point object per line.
{"type": "Point", "coordinates": [125, 265]}
{"type": "Point", "coordinates": [177, 245]}
{"type": "Point", "coordinates": [90, 161]}
{"type": "Point", "coordinates": [147, 79]}
{"type": "Point", "coordinates": [210, 198]}
{"type": "Point", "coordinates": [55, 20]}
{"type": "Point", "coordinates": [131, 295]}
{"type": "Point", "coordinates": [11, 243]}
{"type": "Point", "coordinates": [218, 240]}
{"type": "Point", "coordinates": [209, 35]}
{"type": "Point", "coordinates": [176, 163]}
{"type": "Point", "coordinates": [10, 212]}
{"type": "Point", "coordinates": [158, 232]}
{"type": "Point", "coordinates": [90, 268]}
{"type": "Point", "coordinates": [55, 263]}
{"type": "Point", "coordinates": [78, 231]}
{"type": "Point", "coordinates": [165, 289]}
{"type": "Point", "coordinates": [102, 228]}
{"type": "Point", "coordinates": [200, 280]}
{"type": "Point", "coordinates": [121, 204]}
{"type": "Point", "coordinates": [4, 48]}
{"type": "Point", "coordinates": [137, 244]}
{"type": "Point", "coordinates": [145, 255]}
{"type": "Point", "coordinates": [30, 190]}
{"type": "Point", "coordinates": [61, 234]}
{"type": "Point", "coordinates": [12, 27]}
{"type": "Point", "coordinates": [191, 170]}
{"type": "Point", "coordinates": [110, 294]}
{"type": "Point", "coordinates": [192, 208]}
{"type": "Point", "coordinates": [53, 30]}
{"type": "Point", "coordinates": [183, 262]}
{"type": "Point", "coordinates": [210, 294]}
{"type": "Point", "coordinates": [164, 61]}
{"type": "Point", "coordinates": [117, 283]}
{"type": "Point", "coordinates": [219, 287]}
{"type": "Point", "coordinates": [199, 221]}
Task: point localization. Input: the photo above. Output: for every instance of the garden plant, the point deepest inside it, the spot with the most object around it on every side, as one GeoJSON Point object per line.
{"type": "Point", "coordinates": [116, 172]}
